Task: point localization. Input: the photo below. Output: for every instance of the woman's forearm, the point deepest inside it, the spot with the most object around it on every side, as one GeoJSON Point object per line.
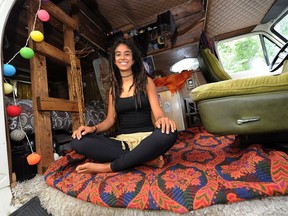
{"type": "Point", "coordinates": [103, 126]}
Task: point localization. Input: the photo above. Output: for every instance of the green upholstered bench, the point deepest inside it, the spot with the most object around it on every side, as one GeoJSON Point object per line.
{"type": "Point", "coordinates": [244, 106]}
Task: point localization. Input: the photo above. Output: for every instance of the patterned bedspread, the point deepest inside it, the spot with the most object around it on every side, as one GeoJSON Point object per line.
{"type": "Point", "coordinates": [201, 170]}
{"type": "Point", "coordinates": [94, 113]}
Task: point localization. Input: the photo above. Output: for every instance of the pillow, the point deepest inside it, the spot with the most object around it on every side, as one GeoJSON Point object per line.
{"type": "Point", "coordinates": [215, 65]}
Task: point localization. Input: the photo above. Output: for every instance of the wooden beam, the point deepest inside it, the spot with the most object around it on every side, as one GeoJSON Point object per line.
{"type": "Point", "coordinates": [92, 13]}
{"type": "Point", "coordinates": [54, 53]}
{"type": "Point", "coordinates": [234, 33]}
{"type": "Point", "coordinates": [69, 42]}
{"type": "Point", "coordinates": [39, 84]}
{"type": "Point", "coordinates": [48, 50]}
{"type": "Point", "coordinates": [89, 32]}
{"type": "Point", "coordinates": [59, 14]}
{"type": "Point", "coordinates": [9, 151]}
{"type": "Point", "coordinates": [56, 104]}
{"type": "Point", "coordinates": [190, 27]}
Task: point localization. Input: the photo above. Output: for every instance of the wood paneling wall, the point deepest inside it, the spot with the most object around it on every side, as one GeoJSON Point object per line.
{"type": "Point", "coordinates": [164, 60]}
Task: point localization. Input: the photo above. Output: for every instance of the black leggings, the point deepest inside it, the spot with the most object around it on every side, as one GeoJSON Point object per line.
{"type": "Point", "coordinates": [104, 149]}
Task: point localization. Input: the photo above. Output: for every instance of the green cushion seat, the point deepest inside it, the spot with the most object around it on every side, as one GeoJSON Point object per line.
{"type": "Point", "coordinates": [240, 87]}
{"type": "Point", "coordinates": [213, 65]}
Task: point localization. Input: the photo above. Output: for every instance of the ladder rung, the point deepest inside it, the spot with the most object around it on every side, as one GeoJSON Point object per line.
{"type": "Point", "coordinates": [53, 52]}
{"type": "Point", "coordinates": [56, 104]}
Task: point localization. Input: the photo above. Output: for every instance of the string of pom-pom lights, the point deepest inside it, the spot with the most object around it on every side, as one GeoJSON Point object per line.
{"type": "Point", "coordinates": [9, 71]}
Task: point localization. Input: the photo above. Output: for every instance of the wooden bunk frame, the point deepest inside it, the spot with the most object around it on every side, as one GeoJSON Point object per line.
{"type": "Point", "coordinates": [42, 103]}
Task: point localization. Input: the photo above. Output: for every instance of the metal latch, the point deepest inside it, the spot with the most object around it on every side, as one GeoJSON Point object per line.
{"type": "Point", "coordinates": [242, 121]}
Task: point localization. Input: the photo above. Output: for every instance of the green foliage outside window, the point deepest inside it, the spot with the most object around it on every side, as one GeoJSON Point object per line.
{"type": "Point", "coordinates": [246, 54]}
{"type": "Point", "coordinates": [238, 55]}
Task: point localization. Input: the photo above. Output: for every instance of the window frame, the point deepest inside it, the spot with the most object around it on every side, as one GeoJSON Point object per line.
{"type": "Point", "coordinates": [272, 28]}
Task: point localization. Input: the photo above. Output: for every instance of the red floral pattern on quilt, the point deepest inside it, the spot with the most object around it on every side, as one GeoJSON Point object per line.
{"type": "Point", "coordinates": [201, 170]}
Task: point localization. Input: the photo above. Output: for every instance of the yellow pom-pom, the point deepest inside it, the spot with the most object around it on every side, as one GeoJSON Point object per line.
{"type": "Point", "coordinates": [37, 36]}
{"type": "Point", "coordinates": [7, 88]}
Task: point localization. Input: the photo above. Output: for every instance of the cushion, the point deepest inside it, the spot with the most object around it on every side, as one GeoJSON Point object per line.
{"type": "Point", "coordinates": [214, 65]}
{"type": "Point", "coordinates": [245, 114]}
{"type": "Point", "coordinates": [240, 87]}
{"type": "Point", "coordinates": [285, 67]}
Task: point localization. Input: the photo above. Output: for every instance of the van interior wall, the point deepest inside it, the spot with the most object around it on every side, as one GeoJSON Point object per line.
{"type": "Point", "coordinates": [93, 28]}
{"type": "Point", "coordinates": [89, 41]}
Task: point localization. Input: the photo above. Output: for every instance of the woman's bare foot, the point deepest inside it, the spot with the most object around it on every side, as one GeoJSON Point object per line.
{"type": "Point", "coordinates": [93, 168]}
{"type": "Point", "coordinates": [158, 162]}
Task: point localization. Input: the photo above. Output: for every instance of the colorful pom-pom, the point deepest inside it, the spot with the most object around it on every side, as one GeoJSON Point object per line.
{"type": "Point", "coordinates": [9, 70]}
{"type": "Point", "coordinates": [33, 158]}
{"type": "Point", "coordinates": [56, 156]}
{"type": "Point", "coordinates": [37, 36]}
{"type": "Point", "coordinates": [13, 110]}
{"type": "Point", "coordinates": [26, 52]}
{"type": "Point", "coordinates": [17, 135]}
{"type": "Point", "coordinates": [7, 88]}
{"type": "Point", "coordinates": [43, 15]}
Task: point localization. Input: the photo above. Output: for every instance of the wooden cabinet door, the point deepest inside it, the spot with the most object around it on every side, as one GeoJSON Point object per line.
{"type": "Point", "coordinates": [173, 107]}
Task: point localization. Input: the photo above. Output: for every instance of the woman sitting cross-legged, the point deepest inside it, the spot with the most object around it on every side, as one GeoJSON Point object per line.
{"type": "Point", "coordinates": [132, 97]}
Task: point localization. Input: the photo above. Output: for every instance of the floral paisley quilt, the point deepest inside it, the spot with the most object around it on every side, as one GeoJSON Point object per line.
{"type": "Point", "coordinates": [201, 170]}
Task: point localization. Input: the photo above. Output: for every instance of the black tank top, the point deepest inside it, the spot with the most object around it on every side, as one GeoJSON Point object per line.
{"type": "Point", "coordinates": [132, 120]}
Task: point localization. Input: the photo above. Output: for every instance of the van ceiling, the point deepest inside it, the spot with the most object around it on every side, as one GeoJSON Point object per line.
{"type": "Point", "coordinates": [191, 17]}
{"type": "Point", "coordinates": [130, 14]}
{"type": "Point", "coordinates": [223, 16]}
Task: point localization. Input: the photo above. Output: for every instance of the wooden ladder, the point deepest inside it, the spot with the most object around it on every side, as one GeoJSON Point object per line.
{"type": "Point", "coordinates": [42, 103]}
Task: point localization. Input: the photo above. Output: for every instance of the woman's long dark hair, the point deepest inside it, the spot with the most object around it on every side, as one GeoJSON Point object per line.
{"type": "Point", "coordinates": [139, 74]}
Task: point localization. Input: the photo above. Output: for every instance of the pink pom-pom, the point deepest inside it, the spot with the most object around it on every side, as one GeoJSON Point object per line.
{"type": "Point", "coordinates": [43, 15]}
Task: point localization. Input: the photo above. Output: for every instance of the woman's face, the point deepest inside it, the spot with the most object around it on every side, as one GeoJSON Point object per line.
{"type": "Point", "coordinates": [123, 58]}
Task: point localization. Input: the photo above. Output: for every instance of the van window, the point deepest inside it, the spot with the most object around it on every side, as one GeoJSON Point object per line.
{"type": "Point", "coordinates": [281, 27]}
{"type": "Point", "coordinates": [247, 56]}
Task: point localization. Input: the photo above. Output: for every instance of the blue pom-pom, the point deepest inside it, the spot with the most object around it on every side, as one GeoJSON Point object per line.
{"type": "Point", "coordinates": [9, 70]}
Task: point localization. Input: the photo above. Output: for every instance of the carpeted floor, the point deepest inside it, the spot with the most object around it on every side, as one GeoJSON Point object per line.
{"type": "Point", "coordinates": [205, 175]}
{"type": "Point", "coordinates": [60, 204]}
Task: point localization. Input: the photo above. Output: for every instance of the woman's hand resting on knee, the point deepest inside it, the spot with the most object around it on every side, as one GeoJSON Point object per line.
{"type": "Point", "coordinates": [83, 130]}
{"type": "Point", "coordinates": [165, 124]}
